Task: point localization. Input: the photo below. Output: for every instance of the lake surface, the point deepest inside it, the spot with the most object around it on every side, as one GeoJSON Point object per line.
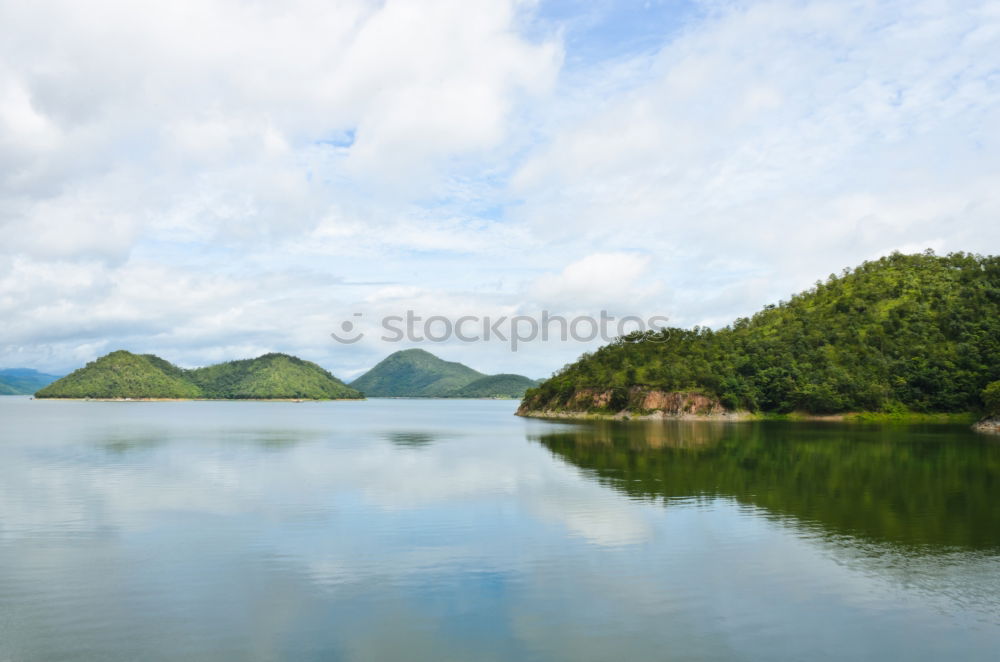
{"type": "Point", "coordinates": [453, 530]}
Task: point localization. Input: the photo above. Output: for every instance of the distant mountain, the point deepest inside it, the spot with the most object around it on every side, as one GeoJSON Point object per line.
{"type": "Point", "coordinates": [122, 374]}
{"type": "Point", "coordinates": [496, 386]}
{"type": "Point", "coordinates": [418, 373]}
{"type": "Point", "coordinates": [23, 381]}
{"type": "Point", "coordinates": [414, 373]}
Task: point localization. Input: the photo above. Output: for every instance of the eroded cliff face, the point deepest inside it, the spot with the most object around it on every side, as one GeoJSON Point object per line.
{"type": "Point", "coordinates": [635, 402]}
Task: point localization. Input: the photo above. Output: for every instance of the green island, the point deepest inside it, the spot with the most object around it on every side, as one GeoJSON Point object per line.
{"type": "Point", "coordinates": [416, 373]}
{"type": "Point", "coordinates": [122, 375]}
{"type": "Point", "coordinates": [900, 338]}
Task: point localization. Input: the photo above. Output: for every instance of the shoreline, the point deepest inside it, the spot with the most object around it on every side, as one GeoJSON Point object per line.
{"type": "Point", "coordinates": [968, 418]}
{"type": "Point", "coordinates": [988, 425]}
{"type": "Point", "coordinates": [200, 399]}
{"type": "Point", "coordinates": [381, 397]}
{"type": "Point", "coordinates": [629, 416]}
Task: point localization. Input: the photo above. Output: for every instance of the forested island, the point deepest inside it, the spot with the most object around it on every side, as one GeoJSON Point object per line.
{"type": "Point", "coordinates": [902, 335]}
{"type": "Point", "coordinates": [123, 375]}
{"type": "Point", "coordinates": [416, 373]}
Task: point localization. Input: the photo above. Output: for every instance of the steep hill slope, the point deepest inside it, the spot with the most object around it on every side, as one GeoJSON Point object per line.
{"type": "Point", "coordinates": [415, 373]}
{"type": "Point", "coordinates": [903, 333]}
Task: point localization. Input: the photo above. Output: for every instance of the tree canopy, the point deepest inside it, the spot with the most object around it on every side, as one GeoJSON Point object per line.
{"type": "Point", "coordinates": [905, 332]}
{"type": "Point", "coordinates": [122, 374]}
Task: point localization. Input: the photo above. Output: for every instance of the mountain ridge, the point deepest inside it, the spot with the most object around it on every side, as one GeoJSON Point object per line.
{"type": "Point", "coordinates": [124, 375]}
{"type": "Point", "coordinates": [23, 381]}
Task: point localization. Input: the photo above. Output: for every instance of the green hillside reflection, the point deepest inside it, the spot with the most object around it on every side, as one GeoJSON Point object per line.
{"type": "Point", "coordinates": [932, 487]}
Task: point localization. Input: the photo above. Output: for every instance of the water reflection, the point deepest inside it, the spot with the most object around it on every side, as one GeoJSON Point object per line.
{"type": "Point", "coordinates": [934, 488]}
{"type": "Point", "coordinates": [410, 439]}
{"type": "Point", "coordinates": [120, 443]}
{"type": "Point", "coordinates": [437, 530]}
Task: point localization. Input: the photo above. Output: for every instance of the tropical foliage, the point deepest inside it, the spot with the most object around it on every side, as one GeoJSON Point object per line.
{"type": "Point", "coordinates": [903, 333]}
{"type": "Point", "coordinates": [991, 398]}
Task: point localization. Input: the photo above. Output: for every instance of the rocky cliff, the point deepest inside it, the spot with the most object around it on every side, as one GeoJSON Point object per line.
{"type": "Point", "coordinates": [634, 402]}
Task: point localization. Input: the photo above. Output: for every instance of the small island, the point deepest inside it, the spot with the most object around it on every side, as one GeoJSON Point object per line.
{"type": "Point", "coordinates": [122, 375]}
{"type": "Point", "coordinates": [416, 373]}
{"type": "Point", "coordinates": [906, 337]}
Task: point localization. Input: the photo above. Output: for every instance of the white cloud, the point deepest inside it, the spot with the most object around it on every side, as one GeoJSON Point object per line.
{"type": "Point", "coordinates": [603, 280]}
{"type": "Point", "coordinates": [754, 136]}
{"type": "Point", "coordinates": [209, 179]}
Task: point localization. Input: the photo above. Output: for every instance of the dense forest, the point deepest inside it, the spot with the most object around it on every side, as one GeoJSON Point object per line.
{"type": "Point", "coordinates": [122, 374]}
{"type": "Point", "coordinates": [902, 333]}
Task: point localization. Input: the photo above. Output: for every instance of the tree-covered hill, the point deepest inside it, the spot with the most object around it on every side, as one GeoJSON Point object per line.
{"type": "Point", "coordinates": [23, 381]}
{"type": "Point", "coordinates": [496, 386]}
{"type": "Point", "coordinates": [416, 373]}
{"type": "Point", "coordinates": [270, 376]}
{"type": "Point", "coordinates": [122, 374]}
{"type": "Point", "coordinates": [905, 332]}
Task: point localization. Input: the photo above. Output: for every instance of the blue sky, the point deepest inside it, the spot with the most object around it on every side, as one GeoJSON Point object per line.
{"type": "Point", "coordinates": [214, 180]}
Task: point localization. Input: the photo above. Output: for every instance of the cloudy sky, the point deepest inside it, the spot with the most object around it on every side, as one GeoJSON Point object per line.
{"type": "Point", "coordinates": [215, 179]}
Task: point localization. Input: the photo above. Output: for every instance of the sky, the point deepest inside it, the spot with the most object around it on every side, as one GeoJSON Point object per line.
{"type": "Point", "coordinates": [215, 179]}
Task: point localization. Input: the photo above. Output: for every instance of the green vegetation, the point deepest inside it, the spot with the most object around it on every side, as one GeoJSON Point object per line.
{"type": "Point", "coordinates": [496, 386]}
{"type": "Point", "coordinates": [416, 373]}
{"type": "Point", "coordinates": [270, 376]}
{"type": "Point", "coordinates": [122, 374]}
{"type": "Point", "coordinates": [906, 333]}
{"type": "Point", "coordinates": [889, 484]}
{"type": "Point", "coordinates": [906, 417]}
{"type": "Point", "coordinates": [22, 381]}
{"type": "Point", "coordinates": [991, 398]}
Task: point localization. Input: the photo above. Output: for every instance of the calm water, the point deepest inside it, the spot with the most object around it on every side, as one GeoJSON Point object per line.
{"type": "Point", "coordinates": [452, 530]}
